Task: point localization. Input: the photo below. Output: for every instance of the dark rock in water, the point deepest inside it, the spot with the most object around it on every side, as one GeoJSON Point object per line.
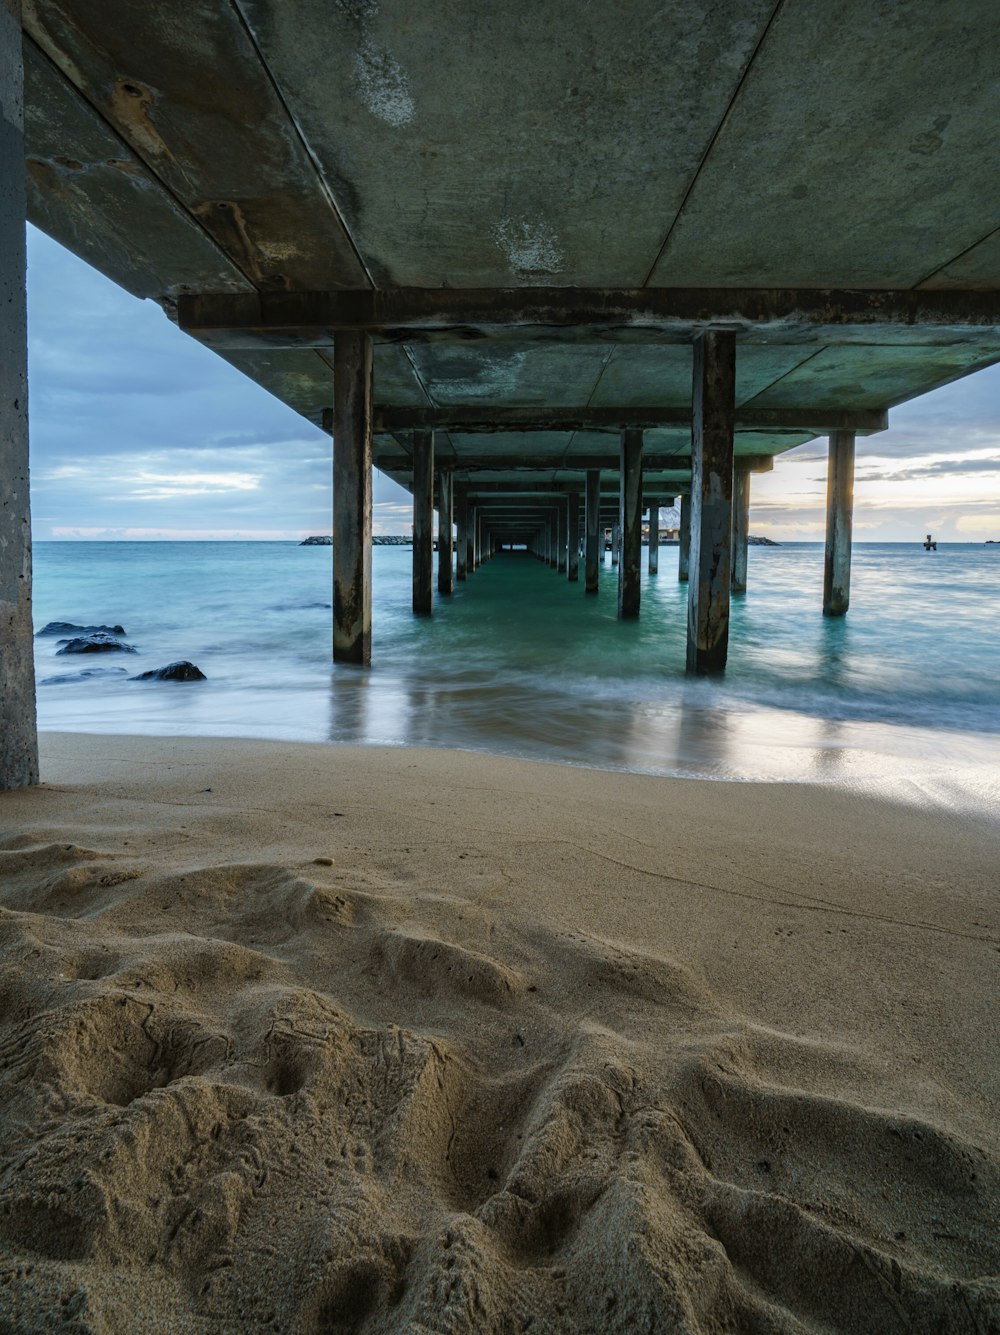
{"type": "Point", "coordinates": [97, 643]}
{"type": "Point", "coordinates": [762, 542]}
{"type": "Point", "coordinates": [321, 541]}
{"type": "Point", "coordinates": [179, 671]}
{"type": "Point", "coordinates": [68, 628]}
{"type": "Point", "coordinates": [65, 678]}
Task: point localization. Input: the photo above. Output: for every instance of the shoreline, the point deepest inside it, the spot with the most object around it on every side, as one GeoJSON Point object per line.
{"type": "Point", "coordinates": [392, 1036]}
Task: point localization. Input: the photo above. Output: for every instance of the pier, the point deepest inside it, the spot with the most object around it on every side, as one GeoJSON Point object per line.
{"type": "Point", "coordinates": [538, 332]}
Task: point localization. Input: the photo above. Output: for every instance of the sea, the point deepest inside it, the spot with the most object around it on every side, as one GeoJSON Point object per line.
{"type": "Point", "coordinates": [900, 698]}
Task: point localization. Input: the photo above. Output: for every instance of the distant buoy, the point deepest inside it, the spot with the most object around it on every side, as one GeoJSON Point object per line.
{"type": "Point", "coordinates": [929, 544]}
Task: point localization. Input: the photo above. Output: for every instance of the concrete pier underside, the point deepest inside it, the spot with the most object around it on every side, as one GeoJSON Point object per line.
{"type": "Point", "coordinates": [280, 176]}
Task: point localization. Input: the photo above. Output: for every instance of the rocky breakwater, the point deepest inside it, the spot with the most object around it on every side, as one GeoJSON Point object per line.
{"type": "Point", "coordinates": [379, 540]}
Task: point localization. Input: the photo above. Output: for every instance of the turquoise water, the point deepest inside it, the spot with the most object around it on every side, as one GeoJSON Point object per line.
{"type": "Point", "coordinates": [904, 691]}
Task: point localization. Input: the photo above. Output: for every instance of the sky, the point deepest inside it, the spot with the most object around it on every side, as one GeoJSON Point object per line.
{"type": "Point", "coordinates": [139, 432]}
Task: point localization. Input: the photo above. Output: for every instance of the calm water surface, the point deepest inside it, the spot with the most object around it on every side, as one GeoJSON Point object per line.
{"type": "Point", "coordinates": [903, 695]}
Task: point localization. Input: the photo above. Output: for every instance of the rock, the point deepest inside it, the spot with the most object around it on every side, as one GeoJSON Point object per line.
{"type": "Point", "coordinates": [762, 542]}
{"type": "Point", "coordinates": [97, 643]}
{"type": "Point", "coordinates": [179, 671]}
{"type": "Point", "coordinates": [321, 541]}
{"type": "Point", "coordinates": [64, 678]}
{"type": "Point", "coordinates": [68, 628]}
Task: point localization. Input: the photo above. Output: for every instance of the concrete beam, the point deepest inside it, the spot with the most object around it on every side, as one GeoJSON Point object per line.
{"type": "Point", "coordinates": [478, 419]}
{"type": "Point", "coordinates": [392, 460]}
{"type": "Point", "coordinates": [630, 523]}
{"type": "Point", "coordinates": [712, 501]}
{"type": "Point", "coordinates": [312, 319]}
{"type": "Point", "coordinates": [839, 519]}
{"type": "Point", "coordinates": [352, 499]}
{"type": "Point", "coordinates": [423, 522]}
{"type": "Point", "coordinates": [18, 737]}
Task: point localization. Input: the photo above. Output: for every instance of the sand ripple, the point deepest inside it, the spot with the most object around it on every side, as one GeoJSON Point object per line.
{"type": "Point", "coordinates": [254, 1097]}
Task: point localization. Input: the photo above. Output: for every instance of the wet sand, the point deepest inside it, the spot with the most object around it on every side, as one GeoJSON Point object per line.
{"type": "Point", "coordinates": [312, 1038]}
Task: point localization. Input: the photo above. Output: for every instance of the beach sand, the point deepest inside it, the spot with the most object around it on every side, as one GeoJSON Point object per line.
{"type": "Point", "coordinates": [316, 1038]}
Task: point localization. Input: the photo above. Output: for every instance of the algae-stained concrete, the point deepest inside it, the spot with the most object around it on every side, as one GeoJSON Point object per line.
{"type": "Point", "coordinates": [287, 146]}
{"type": "Point", "coordinates": [18, 742]}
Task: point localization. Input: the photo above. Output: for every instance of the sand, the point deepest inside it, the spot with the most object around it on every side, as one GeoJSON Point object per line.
{"type": "Point", "coordinates": [315, 1038]}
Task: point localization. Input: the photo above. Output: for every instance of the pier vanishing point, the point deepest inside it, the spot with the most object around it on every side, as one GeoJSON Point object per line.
{"type": "Point", "coordinates": [548, 265]}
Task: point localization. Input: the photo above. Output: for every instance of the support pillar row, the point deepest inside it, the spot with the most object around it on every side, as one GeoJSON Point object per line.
{"type": "Point", "coordinates": [630, 522]}
{"type": "Point", "coordinates": [461, 535]}
{"type": "Point", "coordinates": [839, 519]}
{"type": "Point", "coordinates": [713, 416]}
{"type": "Point", "coordinates": [423, 522]}
{"type": "Point", "coordinates": [352, 497]}
{"type": "Point", "coordinates": [741, 529]}
{"type": "Point", "coordinates": [446, 567]}
{"type": "Point", "coordinates": [654, 537]}
{"type": "Point", "coordinates": [573, 547]}
{"type": "Point", "coordinates": [18, 735]}
{"type": "Point", "coordinates": [684, 540]}
{"type": "Point", "coordinates": [592, 519]}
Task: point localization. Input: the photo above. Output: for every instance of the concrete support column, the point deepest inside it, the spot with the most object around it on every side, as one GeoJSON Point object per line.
{"type": "Point", "coordinates": [561, 538]}
{"type": "Point", "coordinates": [474, 534]}
{"type": "Point", "coordinates": [713, 413]}
{"type": "Point", "coordinates": [461, 535]}
{"type": "Point", "coordinates": [573, 546]}
{"type": "Point", "coordinates": [423, 522]}
{"type": "Point", "coordinates": [654, 537]}
{"type": "Point", "coordinates": [616, 543]}
{"type": "Point", "coordinates": [446, 542]}
{"type": "Point", "coordinates": [18, 736]}
{"type": "Point", "coordinates": [352, 497]}
{"type": "Point", "coordinates": [839, 518]}
{"type": "Point", "coordinates": [592, 548]}
{"type": "Point", "coordinates": [684, 540]}
{"type": "Point", "coordinates": [630, 522]}
{"type": "Point", "coordinates": [741, 529]}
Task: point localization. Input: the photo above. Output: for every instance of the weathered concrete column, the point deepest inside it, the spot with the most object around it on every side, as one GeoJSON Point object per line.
{"type": "Point", "coordinates": [352, 497]}
{"type": "Point", "coordinates": [423, 522]}
{"type": "Point", "coordinates": [18, 736]}
{"type": "Point", "coordinates": [446, 541]}
{"type": "Point", "coordinates": [839, 518]}
{"type": "Point", "coordinates": [573, 539]}
{"type": "Point", "coordinates": [741, 529]}
{"type": "Point", "coordinates": [630, 522]}
{"type": "Point", "coordinates": [684, 540]}
{"type": "Point", "coordinates": [713, 413]}
{"type": "Point", "coordinates": [592, 519]}
{"type": "Point", "coordinates": [475, 536]}
{"type": "Point", "coordinates": [616, 543]}
{"type": "Point", "coordinates": [461, 535]}
{"type": "Point", "coordinates": [561, 538]}
{"type": "Point", "coordinates": [654, 537]}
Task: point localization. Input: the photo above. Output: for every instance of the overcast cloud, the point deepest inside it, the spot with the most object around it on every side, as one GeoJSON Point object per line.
{"type": "Point", "coordinates": [139, 432]}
